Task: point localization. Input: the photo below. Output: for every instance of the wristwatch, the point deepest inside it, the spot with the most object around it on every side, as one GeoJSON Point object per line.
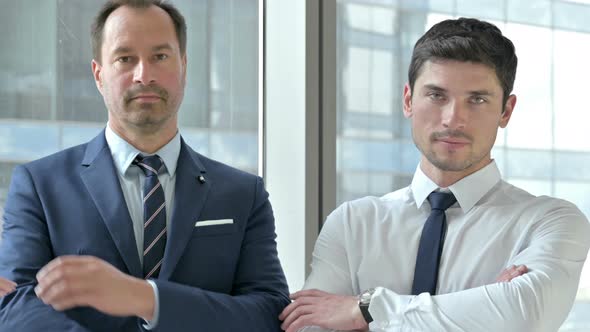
{"type": "Point", "coordinates": [364, 302]}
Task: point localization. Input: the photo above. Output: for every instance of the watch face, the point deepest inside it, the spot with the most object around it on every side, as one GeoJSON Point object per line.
{"type": "Point", "coordinates": [366, 296]}
{"type": "Point", "coordinates": [364, 302]}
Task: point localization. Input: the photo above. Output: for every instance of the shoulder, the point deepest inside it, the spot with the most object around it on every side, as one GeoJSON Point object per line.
{"type": "Point", "coordinates": [370, 209]}
{"type": "Point", "coordinates": [543, 213]}
{"type": "Point", "coordinates": [373, 205]}
{"type": "Point", "coordinates": [62, 161]}
{"type": "Point", "coordinates": [558, 210]}
{"type": "Point", "coordinates": [509, 194]}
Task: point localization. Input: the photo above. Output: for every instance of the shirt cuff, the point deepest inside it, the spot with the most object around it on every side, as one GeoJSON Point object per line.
{"type": "Point", "coordinates": [387, 309]}
{"type": "Point", "coordinates": [150, 325]}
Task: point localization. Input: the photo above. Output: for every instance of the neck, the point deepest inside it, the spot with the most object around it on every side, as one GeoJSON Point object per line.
{"type": "Point", "coordinates": [444, 178]}
{"type": "Point", "coordinates": [144, 140]}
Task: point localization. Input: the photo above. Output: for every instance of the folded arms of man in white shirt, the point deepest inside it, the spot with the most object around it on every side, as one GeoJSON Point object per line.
{"type": "Point", "coordinates": [537, 299]}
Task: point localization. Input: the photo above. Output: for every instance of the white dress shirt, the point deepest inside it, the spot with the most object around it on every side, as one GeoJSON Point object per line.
{"type": "Point", "coordinates": [372, 243]}
{"type": "Point", "coordinates": [132, 178]}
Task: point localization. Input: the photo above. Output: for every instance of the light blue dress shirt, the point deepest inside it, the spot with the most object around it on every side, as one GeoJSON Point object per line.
{"type": "Point", "coordinates": [132, 179]}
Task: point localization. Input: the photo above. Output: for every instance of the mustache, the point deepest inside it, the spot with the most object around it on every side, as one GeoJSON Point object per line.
{"type": "Point", "coordinates": [450, 133]}
{"type": "Point", "coordinates": [139, 90]}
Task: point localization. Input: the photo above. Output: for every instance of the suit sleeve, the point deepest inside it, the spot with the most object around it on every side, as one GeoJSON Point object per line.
{"type": "Point", "coordinates": [25, 248]}
{"type": "Point", "coordinates": [259, 293]}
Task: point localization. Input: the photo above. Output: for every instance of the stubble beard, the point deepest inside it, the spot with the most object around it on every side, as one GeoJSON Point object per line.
{"type": "Point", "coordinates": [448, 164]}
{"type": "Point", "coordinates": [148, 118]}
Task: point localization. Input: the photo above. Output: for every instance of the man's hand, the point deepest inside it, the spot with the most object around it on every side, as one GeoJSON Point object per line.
{"type": "Point", "coordinates": [316, 308]}
{"type": "Point", "coordinates": [71, 281]}
{"type": "Point", "coordinates": [337, 312]}
{"type": "Point", "coordinates": [512, 272]}
{"type": "Point", "coordinates": [6, 286]}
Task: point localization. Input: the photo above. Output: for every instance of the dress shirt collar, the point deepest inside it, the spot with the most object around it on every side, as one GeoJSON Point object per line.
{"type": "Point", "coordinates": [124, 153]}
{"type": "Point", "coordinates": [468, 190]}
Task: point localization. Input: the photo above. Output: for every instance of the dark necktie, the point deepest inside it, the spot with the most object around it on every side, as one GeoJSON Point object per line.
{"type": "Point", "coordinates": [154, 215]}
{"type": "Point", "coordinates": [431, 244]}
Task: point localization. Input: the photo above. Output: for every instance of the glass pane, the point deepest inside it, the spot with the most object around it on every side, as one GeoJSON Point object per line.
{"type": "Point", "coordinates": [532, 88]}
{"type": "Point", "coordinates": [572, 166]}
{"type": "Point", "coordinates": [443, 6]}
{"type": "Point", "coordinates": [27, 80]}
{"type": "Point", "coordinates": [530, 164]}
{"type": "Point", "coordinates": [571, 15]}
{"type": "Point", "coordinates": [536, 12]}
{"type": "Point", "coordinates": [356, 78]}
{"type": "Point", "coordinates": [571, 52]}
{"type": "Point", "coordinates": [486, 9]}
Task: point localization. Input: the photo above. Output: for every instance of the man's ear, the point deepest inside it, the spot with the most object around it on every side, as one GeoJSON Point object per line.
{"type": "Point", "coordinates": [407, 97]}
{"type": "Point", "coordinates": [96, 71]}
{"type": "Point", "coordinates": [508, 109]}
{"type": "Point", "coordinates": [184, 63]}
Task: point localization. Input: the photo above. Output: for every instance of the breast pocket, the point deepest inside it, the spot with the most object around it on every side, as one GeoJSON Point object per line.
{"type": "Point", "coordinates": [214, 230]}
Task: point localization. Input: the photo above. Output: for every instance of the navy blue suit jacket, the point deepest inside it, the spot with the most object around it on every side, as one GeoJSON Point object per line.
{"type": "Point", "coordinates": [213, 278]}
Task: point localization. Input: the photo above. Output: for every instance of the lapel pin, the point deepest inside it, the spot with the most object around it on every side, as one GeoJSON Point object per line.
{"type": "Point", "coordinates": [201, 179]}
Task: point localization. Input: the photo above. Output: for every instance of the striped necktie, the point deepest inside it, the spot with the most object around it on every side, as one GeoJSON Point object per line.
{"type": "Point", "coordinates": [154, 215]}
{"type": "Point", "coordinates": [431, 244]}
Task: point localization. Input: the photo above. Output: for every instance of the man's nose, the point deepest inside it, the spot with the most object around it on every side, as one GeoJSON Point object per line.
{"type": "Point", "coordinates": [144, 73]}
{"type": "Point", "coordinates": [455, 115]}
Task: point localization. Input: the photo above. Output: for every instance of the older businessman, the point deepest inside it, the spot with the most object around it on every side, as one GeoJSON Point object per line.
{"type": "Point", "coordinates": [134, 230]}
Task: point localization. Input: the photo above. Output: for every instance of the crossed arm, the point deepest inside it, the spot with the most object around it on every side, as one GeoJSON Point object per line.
{"type": "Point", "coordinates": [341, 312]}
{"type": "Point", "coordinates": [537, 299]}
{"type": "Point", "coordinates": [72, 282]}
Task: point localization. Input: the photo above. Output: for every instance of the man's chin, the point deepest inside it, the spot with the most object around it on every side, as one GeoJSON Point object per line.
{"type": "Point", "coordinates": [147, 122]}
{"type": "Point", "coordinates": [450, 164]}
{"type": "Point", "coordinates": [148, 107]}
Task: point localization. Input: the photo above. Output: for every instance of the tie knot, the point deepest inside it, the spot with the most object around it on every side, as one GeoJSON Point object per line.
{"type": "Point", "coordinates": [150, 165]}
{"type": "Point", "coordinates": [441, 201]}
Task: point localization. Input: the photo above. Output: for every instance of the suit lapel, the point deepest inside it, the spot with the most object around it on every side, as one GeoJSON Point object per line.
{"type": "Point", "coordinates": [189, 198]}
{"type": "Point", "coordinates": [102, 182]}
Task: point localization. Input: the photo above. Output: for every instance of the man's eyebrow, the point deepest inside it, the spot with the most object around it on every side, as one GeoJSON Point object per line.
{"type": "Point", "coordinates": [122, 49]}
{"type": "Point", "coordinates": [125, 49]}
{"type": "Point", "coordinates": [162, 47]}
{"type": "Point", "coordinates": [481, 93]}
{"type": "Point", "coordinates": [434, 87]}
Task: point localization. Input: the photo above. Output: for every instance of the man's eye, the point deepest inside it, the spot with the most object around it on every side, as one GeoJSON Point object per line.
{"type": "Point", "coordinates": [478, 100]}
{"type": "Point", "coordinates": [436, 96]}
{"type": "Point", "coordinates": [124, 59]}
{"type": "Point", "coordinates": [162, 56]}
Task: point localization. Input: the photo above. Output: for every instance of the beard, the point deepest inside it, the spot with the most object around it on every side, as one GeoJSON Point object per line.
{"type": "Point", "coordinates": [452, 161]}
{"type": "Point", "coordinates": [144, 116]}
{"type": "Point", "coordinates": [450, 165]}
{"type": "Point", "coordinates": [135, 91]}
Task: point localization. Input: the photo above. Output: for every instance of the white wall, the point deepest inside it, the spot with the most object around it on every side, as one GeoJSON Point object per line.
{"type": "Point", "coordinates": [285, 131]}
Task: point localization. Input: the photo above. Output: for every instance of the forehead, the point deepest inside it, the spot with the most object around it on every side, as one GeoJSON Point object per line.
{"type": "Point", "coordinates": [458, 74]}
{"type": "Point", "coordinates": [134, 27]}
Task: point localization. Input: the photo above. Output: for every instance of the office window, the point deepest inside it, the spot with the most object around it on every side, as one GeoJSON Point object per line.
{"type": "Point", "coordinates": [546, 146]}
{"type": "Point", "coordinates": [49, 101]}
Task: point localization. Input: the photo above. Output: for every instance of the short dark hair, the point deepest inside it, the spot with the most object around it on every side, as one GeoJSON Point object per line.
{"type": "Point", "coordinates": [111, 5]}
{"type": "Point", "coordinates": [468, 40]}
